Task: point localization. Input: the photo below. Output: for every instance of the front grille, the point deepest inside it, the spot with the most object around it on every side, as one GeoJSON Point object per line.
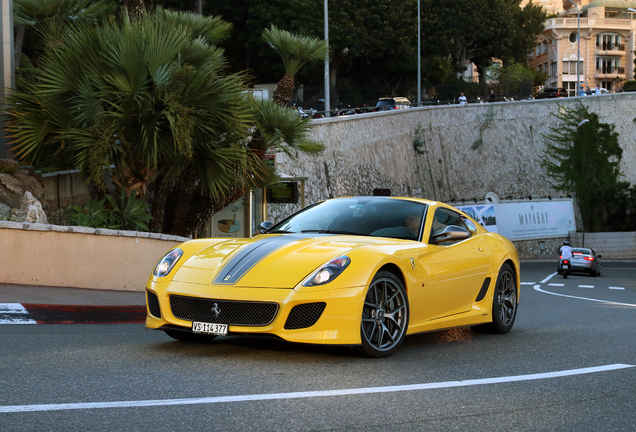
{"type": "Point", "coordinates": [153, 304]}
{"type": "Point", "coordinates": [240, 313]}
{"type": "Point", "coordinates": [304, 315]}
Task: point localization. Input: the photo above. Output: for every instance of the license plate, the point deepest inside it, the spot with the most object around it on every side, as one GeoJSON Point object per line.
{"type": "Point", "coordinates": [209, 328]}
{"type": "Point", "coordinates": [564, 266]}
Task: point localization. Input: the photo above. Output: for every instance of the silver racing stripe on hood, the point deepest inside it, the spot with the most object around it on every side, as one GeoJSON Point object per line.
{"type": "Point", "coordinates": [249, 256]}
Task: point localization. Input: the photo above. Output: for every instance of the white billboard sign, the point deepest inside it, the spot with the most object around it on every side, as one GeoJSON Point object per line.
{"type": "Point", "coordinates": [525, 220]}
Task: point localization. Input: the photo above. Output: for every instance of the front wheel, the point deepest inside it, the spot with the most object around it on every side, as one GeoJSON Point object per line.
{"type": "Point", "coordinates": [504, 303]}
{"type": "Point", "coordinates": [385, 316]}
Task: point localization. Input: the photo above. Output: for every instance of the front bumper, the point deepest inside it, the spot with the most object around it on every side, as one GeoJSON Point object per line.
{"type": "Point", "coordinates": [338, 323]}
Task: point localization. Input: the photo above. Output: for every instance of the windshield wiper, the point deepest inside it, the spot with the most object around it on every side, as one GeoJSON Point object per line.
{"type": "Point", "coordinates": [280, 232]}
{"type": "Point", "coordinates": [329, 231]}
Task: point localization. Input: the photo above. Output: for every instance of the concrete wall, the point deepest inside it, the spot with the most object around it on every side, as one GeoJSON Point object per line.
{"type": "Point", "coordinates": [617, 245]}
{"type": "Point", "coordinates": [467, 150]}
{"type": "Point", "coordinates": [50, 255]}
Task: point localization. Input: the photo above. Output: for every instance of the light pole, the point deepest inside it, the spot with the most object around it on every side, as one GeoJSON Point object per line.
{"type": "Point", "coordinates": [419, 59]}
{"type": "Point", "coordinates": [327, 102]}
{"type": "Point", "coordinates": [578, 49]}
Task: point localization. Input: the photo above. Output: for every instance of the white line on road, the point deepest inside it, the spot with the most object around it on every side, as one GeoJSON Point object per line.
{"type": "Point", "coordinates": [548, 278]}
{"type": "Point", "coordinates": [527, 283]}
{"type": "Point", "coordinates": [309, 394]}
{"type": "Point", "coordinates": [555, 284]}
{"type": "Point", "coordinates": [586, 286]}
{"type": "Point", "coordinates": [538, 288]}
{"type": "Point", "coordinates": [617, 288]}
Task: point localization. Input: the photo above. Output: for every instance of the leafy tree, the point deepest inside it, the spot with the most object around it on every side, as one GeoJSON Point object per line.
{"type": "Point", "coordinates": [151, 98]}
{"type": "Point", "coordinates": [480, 30]}
{"type": "Point", "coordinates": [582, 155]}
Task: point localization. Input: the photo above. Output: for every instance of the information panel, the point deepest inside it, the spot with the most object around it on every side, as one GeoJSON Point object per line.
{"type": "Point", "coordinates": [525, 220]}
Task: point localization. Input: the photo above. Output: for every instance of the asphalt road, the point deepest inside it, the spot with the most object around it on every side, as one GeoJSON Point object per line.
{"type": "Point", "coordinates": [568, 365]}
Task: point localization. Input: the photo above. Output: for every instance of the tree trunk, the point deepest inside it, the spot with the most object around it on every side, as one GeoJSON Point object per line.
{"type": "Point", "coordinates": [285, 90]}
{"type": "Point", "coordinates": [17, 45]}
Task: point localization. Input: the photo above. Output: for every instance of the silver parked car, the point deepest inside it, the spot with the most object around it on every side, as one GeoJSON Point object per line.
{"type": "Point", "coordinates": [585, 260]}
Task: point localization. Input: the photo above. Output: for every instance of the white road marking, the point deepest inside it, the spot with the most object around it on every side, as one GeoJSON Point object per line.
{"type": "Point", "coordinates": [309, 394]}
{"type": "Point", "coordinates": [14, 313]}
{"type": "Point", "coordinates": [527, 283]}
{"type": "Point", "coordinates": [538, 288]}
{"type": "Point", "coordinates": [548, 278]}
{"type": "Point", "coordinates": [555, 284]}
{"type": "Point", "coordinates": [586, 286]}
{"type": "Point", "coordinates": [617, 288]}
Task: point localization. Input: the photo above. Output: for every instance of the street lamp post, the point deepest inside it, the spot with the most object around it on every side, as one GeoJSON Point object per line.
{"type": "Point", "coordinates": [327, 102]}
{"type": "Point", "coordinates": [419, 59]}
{"type": "Point", "coordinates": [578, 48]}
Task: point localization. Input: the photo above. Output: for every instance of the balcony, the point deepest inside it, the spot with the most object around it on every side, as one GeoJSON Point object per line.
{"type": "Point", "coordinates": [610, 72]}
{"type": "Point", "coordinates": [590, 23]}
{"type": "Point", "coordinates": [610, 49]}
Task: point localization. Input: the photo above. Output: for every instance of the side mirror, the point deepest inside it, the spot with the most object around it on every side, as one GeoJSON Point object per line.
{"type": "Point", "coordinates": [264, 227]}
{"type": "Point", "coordinates": [451, 233]}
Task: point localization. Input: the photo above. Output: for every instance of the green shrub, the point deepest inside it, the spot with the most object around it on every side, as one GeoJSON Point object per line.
{"type": "Point", "coordinates": [629, 86]}
{"type": "Point", "coordinates": [126, 212]}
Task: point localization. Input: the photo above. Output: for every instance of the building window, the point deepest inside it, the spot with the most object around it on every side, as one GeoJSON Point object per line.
{"type": "Point", "coordinates": [569, 68]}
{"type": "Point", "coordinates": [609, 42]}
{"type": "Point", "coordinates": [573, 37]}
{"type": "Point", "coordinates": [609, 65]}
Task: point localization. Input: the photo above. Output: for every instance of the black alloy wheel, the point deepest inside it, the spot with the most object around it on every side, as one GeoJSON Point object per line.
{"type": "Point", "coordinates": [385, 316]}
{"type": "Point", "coordinates": [504, 303]}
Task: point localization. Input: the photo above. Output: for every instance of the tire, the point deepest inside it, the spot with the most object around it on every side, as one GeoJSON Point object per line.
{"type": "Point", "coordinates": [385, 316]}
{"type": "Point", "coordinates": [504, 303]}
{"type": "Point", "coordinates": [186, 336]}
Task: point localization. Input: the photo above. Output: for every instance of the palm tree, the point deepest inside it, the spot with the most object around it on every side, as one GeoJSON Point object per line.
{"type": "Point", "coordinates": [47, 16]}
{"type": "Point", "coordinates": [149, 97]}
{"type": "Point", "coordinates": [296, 51]}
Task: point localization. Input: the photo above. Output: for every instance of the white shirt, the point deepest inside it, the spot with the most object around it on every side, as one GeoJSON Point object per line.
{"type": "Point", "coordinates": [462, 100]}
{"type": "Point", "coordinates": [566, 252]}
{"type": "Point", "coordinates": [597, 91]}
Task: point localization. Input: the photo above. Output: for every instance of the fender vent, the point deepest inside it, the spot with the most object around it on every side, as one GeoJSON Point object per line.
{"type": "Point", "coordinates": [483, 290]}
{"type": "Point", "coordinates": [304, 315]}
{"type": "Point", "coordinates": [153, 304]}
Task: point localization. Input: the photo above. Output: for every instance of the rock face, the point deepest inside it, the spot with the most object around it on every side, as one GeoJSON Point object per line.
{"type": "Point", "coordinates": [15, 204]}
{"type": "Point", "coordinates": [30, 211]}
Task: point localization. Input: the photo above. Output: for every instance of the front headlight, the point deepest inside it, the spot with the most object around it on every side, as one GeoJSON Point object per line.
{"type": "Point", "coordinates": [167, 262]}
{"type": "Point", "coordinates": [328, 272]}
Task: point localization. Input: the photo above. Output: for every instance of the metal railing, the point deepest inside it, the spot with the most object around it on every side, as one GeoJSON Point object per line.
{"type": "Point", "coordinates": [610, 70]}
{"type": "Point", "coordinates": [610, 47]}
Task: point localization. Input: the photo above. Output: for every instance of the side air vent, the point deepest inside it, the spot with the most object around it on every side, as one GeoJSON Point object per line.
{"type": "Point", "coordinates": [153, 304]}
{"type": "Point", "coordinates": [304, 315]}
{"type": "Point", "coordinates": [483, 290]}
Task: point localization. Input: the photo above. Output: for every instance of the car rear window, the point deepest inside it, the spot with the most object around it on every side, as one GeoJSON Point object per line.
{"type": "Point", "coordinates": [581, 251]}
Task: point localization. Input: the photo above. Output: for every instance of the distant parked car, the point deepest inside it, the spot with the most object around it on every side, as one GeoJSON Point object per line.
{"type": "Point", "coordinates": [551, 93]}
{"type": "Point", "coordinates": [388, 103]}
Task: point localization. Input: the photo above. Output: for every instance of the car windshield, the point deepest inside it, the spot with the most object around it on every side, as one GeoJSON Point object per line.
{"type": "Point", "coordinates": [385, 102]}
{"type": "Point", "coordinates": [369, 216]}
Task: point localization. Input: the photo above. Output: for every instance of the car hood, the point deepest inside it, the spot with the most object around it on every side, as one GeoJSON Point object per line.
{"type": "Point", "coordinates": [266, 261]}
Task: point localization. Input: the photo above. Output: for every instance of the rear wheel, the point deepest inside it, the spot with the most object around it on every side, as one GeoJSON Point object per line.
{"type": "Point", "coordinates": [186, 336]}
{"type": "Point", "coordinates": [504, 303]}
{"type": "Point", "coordinates": [385, 316]}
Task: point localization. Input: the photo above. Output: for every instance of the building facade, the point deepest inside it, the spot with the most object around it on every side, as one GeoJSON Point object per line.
{"type": "Point", "coordinates": [606, 42]}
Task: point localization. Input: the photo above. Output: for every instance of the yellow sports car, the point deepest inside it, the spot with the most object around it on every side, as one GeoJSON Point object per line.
{"type": "Point", "coordinates": [363, 271]}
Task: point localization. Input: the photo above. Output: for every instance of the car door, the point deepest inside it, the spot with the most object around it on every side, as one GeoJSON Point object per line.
{"type": "Point", "coordinates": [459, 268]}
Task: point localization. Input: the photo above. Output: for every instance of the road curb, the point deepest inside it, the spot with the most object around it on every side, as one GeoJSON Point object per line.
{"type": "Point", "coordinates": [29, 313]}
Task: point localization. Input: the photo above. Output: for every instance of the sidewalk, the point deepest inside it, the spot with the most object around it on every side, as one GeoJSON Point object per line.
{"type": "Point", "coordinates": [27, 304]}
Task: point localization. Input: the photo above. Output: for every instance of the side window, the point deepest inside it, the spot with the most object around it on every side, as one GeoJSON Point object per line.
{"type": "Point", "coordinates": [444, 218]}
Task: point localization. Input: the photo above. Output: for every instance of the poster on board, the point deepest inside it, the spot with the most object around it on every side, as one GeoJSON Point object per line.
{"type": "Point", "coordinates": [525, 220]}
{"type": "Point", "coordinates": [229, 222]}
